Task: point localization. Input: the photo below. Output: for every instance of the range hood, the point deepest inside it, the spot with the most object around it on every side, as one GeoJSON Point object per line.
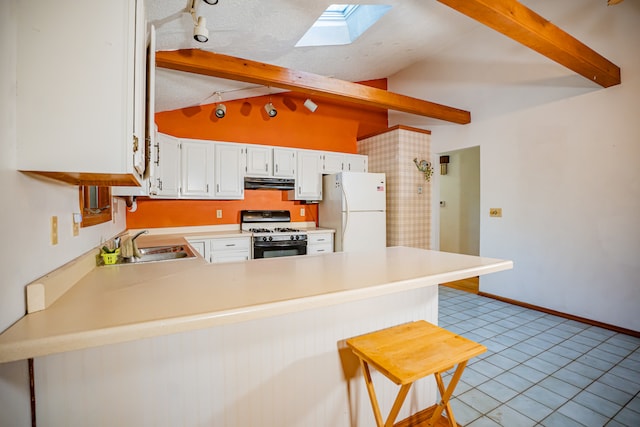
{"type": "Point", "coordinates": [252, 183]}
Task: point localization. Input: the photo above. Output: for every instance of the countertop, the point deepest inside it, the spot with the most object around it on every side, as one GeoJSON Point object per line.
{"type": "Point", "coordinates": [121, 303]}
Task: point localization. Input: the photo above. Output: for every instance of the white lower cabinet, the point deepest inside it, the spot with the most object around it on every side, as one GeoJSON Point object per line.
{"type": "Point", "coordinates": [223, 249]}
{"type": "Point", "coordinates": [319, 243]}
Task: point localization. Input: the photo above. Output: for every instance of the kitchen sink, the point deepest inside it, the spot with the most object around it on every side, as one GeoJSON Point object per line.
{"type": "Point", "coordinates": [159, 253]}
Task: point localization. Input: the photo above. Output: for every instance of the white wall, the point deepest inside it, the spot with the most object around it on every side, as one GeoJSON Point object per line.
{"type": "Point", "coordinates": [559, 155]}
{"type": "Point", "coordinates": [27, 206]}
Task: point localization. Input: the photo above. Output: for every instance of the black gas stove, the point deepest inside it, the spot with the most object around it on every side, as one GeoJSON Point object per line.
{"type": "Point", "coordinates": [272, 235]}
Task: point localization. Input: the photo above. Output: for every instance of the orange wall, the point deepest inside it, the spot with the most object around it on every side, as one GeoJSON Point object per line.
{"type": "Point", "coordinates": [333, 127]}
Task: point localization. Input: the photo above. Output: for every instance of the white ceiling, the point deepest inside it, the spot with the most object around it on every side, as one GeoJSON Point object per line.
{"type": "Point", "coordinates": [413, 31]}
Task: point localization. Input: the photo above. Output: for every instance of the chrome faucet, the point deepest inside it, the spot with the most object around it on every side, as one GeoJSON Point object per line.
{"type": "Point", "coordinates": [138, 234]}
{"type": "Point", "coordinates": [136, 252]}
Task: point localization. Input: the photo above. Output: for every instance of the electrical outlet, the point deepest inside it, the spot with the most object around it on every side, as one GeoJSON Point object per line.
{"type": "Point", "coordinates": [495, 212]}
{"type": "Point", "coordinates": [54, 230]}
{"type": "Point", "coordinates": [219, 213]}
{"type": "Point", "coordinates": [302, 212]}
{"type": "Point", "coordinates": [420, 189]}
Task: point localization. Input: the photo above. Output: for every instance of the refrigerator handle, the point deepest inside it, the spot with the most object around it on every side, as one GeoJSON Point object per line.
{"type": "Point", "coordinates": [346, 209]}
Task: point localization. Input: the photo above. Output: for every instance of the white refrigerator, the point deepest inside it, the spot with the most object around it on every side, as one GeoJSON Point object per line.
{"type": "Point", "coordinates": [355, 205]}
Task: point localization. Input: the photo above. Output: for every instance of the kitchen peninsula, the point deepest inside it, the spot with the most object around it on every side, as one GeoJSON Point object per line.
{"type": "Point", "coordinates": [247, 343]}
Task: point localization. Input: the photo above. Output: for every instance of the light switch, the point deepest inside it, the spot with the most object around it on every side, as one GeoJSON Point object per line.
{"type": "Point", "coordinates": [54, 230]}
{"type": "Point", "coordinates": [302, 212]}
{"type": "Point", "coordinates": [76, 224]}
{"type": "Point", "coordinates": [219, 213]}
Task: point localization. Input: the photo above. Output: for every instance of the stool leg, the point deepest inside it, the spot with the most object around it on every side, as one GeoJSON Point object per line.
{"type": "Point", "coordinates": [372, 393]}
{"type": "Point", "coordinates": [397, 404]}
{"type": "Point", "coordinates": [446, 395]}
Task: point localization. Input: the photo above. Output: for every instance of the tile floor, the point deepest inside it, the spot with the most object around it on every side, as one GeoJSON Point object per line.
{"type": "Point", "coordinates": [540, 369]}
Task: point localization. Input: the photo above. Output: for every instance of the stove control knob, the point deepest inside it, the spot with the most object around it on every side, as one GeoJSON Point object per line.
{"type": "Point", "coordinates": [293, 237]}
{"type": "Point", "coordinates": [264, 239]}
{"type": "Point", "coordinates": [270, 238]}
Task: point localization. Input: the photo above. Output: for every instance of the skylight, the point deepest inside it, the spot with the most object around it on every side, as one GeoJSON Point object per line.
{"type": "Point", "coordinates": [342, 24]}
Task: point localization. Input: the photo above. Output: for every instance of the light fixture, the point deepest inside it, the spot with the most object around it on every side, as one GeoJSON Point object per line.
{"type": "Point", "coordinates": [200, 31]}
{"type": "Point", "coordinates": [221, 109]}
{"type": "Point", "coordinates": [444, 161]}
{"type": "Point", "coordinates": [270, 109]}
{"type": "Point", "coordinates": [310, 105]}
{"type": "Point", "coordinates": [212, 2]}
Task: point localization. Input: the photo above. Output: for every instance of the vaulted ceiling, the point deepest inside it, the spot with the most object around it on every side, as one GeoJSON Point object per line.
{"type": "Point", "coordinates": [412, 32]}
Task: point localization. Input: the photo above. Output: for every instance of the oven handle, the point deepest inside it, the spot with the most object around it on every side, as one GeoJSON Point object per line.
{"type": "Point", "coordinates": [284, 243]}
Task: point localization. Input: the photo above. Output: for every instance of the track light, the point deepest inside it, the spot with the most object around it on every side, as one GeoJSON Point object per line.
{"type": "Point", "coordinates": [221, 109]}
{"type": "Point", "coordinates": [200, 31]}
{"type": "Point", "coordinates": [270, 109]}
{"type": "Point", "coordinates": [310, 105]}
{"type": "Point", "coordinates": [212, 2]}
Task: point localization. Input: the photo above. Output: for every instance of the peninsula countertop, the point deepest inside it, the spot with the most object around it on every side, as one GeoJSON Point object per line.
{"type": "Point", "coordinates": [122, 303]}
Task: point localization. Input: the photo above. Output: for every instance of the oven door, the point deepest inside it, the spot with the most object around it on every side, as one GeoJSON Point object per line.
{"type": "Point", "coordinates": [278, 249]}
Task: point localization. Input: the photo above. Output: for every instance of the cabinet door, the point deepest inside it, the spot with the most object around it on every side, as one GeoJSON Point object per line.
{"type": "Point", "coordinates": [197, 165]}
{"type": "Point", "coordinates": [309, 176]}
{"type": "Point", "coordinates": [258, 161]}
{"type": "Point", "coordinates": [356, 163]}
{"type": "Point", "coordinates": [89, 109]}
{"type": "Point", "coordinates": [202, 247]}
{"type": "Point", "coordinates": [165, 180]}
{"type": "Point", "coordinates": [140, 93]}
{"type": "Point", "coordinates": [332, 162]}
{"type": "Point", "coordinates": [230, 256]}
{"type": "Point", "coordinates": [284, 163]}
{"type": "Point", "coordinates": [229, 171]}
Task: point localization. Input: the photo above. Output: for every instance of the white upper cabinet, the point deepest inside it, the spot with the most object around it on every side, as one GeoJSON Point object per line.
{"type": "Point", "coordinates": [197, 169]}
{"type": "Point", "coordinates": [229, 171]}
{"type": "Point", "coordinates": [356, 163]}
{"type": "Point", "coordinates": [284, 162]}
{"type": "Point", "coordinates": [81, 77]}
{"type": "Point", "coordinates": [259, 160]}
{"type": "Point", "coordinates": [332, 162]}
{"type": "Point", "coordinates": [165, 166]}
{"type": "Point", "coordinates": [309, 176]}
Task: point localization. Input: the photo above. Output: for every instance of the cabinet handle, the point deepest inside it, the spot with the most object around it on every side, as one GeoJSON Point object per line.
{"type": "Point", "coordinates": [230, 244]}
{"type": "Point", "coordinates": [207, 188]}
{"type": "Point", "coordinates": [157, 162]}
{"type": "Point", "coordinates": [276, 167]}
{"type": "Point", "coordinates": [320, 240]}
{"type": "Point", "coordinates": [320, 250]}
{"type": "Point", "coordinates": [342, 166]}
{"type": "Point", "coordinates": [266, 167]}
{"type": "Point", "coordinates": [218, 188]}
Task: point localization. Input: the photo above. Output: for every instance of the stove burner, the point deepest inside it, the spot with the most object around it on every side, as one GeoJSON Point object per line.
{"type": "Point", "coordinates": [260, 230]}
{"type": "Point", "coordinates": [275, 230]}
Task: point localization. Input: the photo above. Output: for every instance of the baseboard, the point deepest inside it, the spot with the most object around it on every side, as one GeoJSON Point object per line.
{"type": "Point", "coordinates": [565, 315]}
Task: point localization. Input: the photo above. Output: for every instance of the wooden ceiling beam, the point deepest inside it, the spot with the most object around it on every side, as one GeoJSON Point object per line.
{"type": "Point", "coordinates": [232, 68]}
{"type": "Point", "coordinates": [523, 25]}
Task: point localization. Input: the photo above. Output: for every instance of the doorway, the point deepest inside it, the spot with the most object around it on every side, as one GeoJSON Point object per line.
{"type": "Point", "coordinates": [460, 206]}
